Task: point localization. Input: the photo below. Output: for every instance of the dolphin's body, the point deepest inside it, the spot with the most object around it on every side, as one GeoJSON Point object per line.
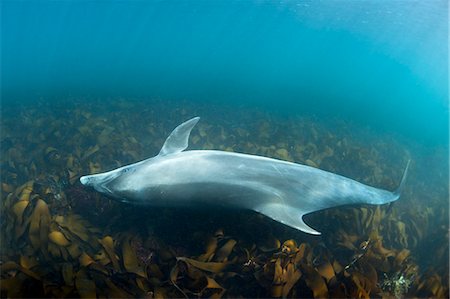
{"type": "Point", "coordinates": [281, 190]}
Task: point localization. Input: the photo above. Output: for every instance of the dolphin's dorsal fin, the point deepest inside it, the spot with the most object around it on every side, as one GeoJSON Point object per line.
{"type": "Point", "coordinates": [286, 215]}
{"type": "Point", "coordinates": [178, 139]}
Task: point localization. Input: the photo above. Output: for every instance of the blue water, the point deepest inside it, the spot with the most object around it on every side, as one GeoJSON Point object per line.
{"type": "Point", "coordinates": [380, 64]}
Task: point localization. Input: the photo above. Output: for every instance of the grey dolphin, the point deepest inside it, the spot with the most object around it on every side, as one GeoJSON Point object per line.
{"type": "Point", "coordinates": [281, 190]}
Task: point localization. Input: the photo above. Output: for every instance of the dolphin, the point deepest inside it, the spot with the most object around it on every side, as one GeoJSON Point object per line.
{"type": "Point", "coordinates": [281, 190]}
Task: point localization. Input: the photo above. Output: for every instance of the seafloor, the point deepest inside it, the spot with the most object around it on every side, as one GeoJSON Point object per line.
{"type": "Point", "coordinates": [59, 239]}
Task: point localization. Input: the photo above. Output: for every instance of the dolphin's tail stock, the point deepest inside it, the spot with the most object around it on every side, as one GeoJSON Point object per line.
{"type": "Point", "coordinates": [399, 189]}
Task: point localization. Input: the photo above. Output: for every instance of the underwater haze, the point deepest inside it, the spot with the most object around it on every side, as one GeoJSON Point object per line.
{"type": "Point", "coordinates": [378, 63]}
{"type": "Point", "coordinates": [356, 88]}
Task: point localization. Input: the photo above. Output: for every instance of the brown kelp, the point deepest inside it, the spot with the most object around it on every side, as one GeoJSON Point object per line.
{"type": "Point", "coordinates": [59, 239]}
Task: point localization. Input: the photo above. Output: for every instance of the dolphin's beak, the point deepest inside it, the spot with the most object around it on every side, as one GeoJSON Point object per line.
{"type": "Point", "coordinates": [85, 180]}
{"type": "Point", "coordinates": [99, 181]}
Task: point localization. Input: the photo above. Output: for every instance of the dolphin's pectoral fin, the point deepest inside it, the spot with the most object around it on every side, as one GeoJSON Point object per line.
{"type": "Point", "coordinates": [178, 139]}
{"type": "Point", "coordinates": [301, 225]}
{"type": "Point", "coordinates": [286, 215]}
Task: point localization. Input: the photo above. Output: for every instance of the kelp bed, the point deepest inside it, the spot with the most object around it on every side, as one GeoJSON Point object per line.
{"type": "Point", "coordinates": [59, 239]}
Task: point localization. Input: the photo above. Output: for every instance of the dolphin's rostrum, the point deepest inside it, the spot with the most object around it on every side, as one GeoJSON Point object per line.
{"type": "Point", "coordinates": [281, 190]}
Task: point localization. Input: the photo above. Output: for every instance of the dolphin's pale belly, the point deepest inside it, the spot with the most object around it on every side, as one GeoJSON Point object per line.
{"type": "Point", "coordinates": [236, 180]}
{"type": "Point", "coordinates": [199, 195]}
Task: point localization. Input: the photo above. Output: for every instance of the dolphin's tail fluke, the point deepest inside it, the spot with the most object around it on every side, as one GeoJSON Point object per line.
{"type": "Point", "coordinates": [399, 189]}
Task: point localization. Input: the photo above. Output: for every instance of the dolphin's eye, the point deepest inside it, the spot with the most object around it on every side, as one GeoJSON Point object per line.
{"type": "Point", "coordinates": [125, 170]}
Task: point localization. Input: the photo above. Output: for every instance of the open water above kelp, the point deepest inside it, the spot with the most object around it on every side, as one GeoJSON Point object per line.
{"type": "Point", "coordinates": [60, 239]}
